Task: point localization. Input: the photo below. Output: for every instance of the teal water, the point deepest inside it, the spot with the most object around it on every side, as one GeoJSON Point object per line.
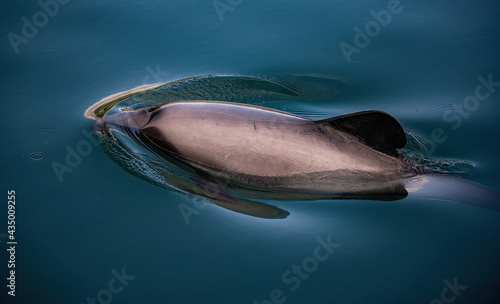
{"type": "Point", "coordinates": [73, 231]}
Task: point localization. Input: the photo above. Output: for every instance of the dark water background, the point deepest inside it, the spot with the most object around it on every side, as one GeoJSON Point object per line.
{"type": "Point", "coordinates": [73, 233]}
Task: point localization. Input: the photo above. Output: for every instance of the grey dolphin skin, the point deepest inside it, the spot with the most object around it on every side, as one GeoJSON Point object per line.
{"type": "Point", "coordinates": [349, 156]}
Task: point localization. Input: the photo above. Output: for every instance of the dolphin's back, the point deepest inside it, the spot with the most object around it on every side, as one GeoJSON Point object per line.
{"type": "Point", "coordinates": [259, 142]}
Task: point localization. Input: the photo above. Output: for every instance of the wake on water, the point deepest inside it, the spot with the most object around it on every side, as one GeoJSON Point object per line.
{"type": "Point", "coordinates": [291, 93]}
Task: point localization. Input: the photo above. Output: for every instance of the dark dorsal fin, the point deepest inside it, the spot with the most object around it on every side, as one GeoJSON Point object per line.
{"type": "Point", "coordinates": [376, 129]}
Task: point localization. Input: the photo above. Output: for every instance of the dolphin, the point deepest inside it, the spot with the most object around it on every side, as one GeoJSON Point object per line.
{"type": "Point", "coordinates": [269, 151]}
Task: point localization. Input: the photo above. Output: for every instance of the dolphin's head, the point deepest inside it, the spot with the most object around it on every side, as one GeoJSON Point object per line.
{"type": "Point", "coordinates": [124, 121]}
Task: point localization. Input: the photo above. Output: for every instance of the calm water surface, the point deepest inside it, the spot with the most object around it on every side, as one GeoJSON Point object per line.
{"type": "Point", "coordinates": [78, 233]}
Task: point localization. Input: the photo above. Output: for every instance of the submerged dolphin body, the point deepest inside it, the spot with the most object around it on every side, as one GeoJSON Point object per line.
{"type": "Point", "coordinates": [350, 156]}
{"type": "Point", "coordinates": [273, 149]}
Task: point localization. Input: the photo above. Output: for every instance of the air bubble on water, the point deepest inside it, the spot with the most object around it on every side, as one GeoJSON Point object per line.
{"type": "Point", "coordinates": [36, 156]}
